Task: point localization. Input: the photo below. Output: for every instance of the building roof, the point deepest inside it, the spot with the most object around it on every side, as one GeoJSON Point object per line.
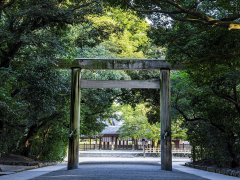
{"type": "Point", "coordinates": [111, 129]}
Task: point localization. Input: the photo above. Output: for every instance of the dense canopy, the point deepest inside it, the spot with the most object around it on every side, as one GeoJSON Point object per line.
{"type": "Point", "coordinates": [35, 97]}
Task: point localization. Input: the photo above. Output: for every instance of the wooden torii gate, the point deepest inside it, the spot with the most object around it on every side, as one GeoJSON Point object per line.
{"type": "Point", "coordinates": [119, 64]}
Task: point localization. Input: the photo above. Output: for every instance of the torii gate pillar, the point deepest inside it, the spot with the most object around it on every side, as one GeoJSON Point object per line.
{"type": "Point", "coordinates": [74, 127]}
{"type": "Point", "coordinates": [165, 118]}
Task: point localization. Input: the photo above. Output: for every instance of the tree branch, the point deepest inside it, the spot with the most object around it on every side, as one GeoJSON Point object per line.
{"type": "Point", "coordinates": [197, 119]}
{"type": "Point", "coordinates": [226, 97]}
{"type": "Point", "coordinates": [217, 55]}
{"type": "Point", "coordinates": [154, 10]}
{"type": "Point", "coordinates": [236, 98]}
{"type": "Point", "coordinates": [199, 17]}
{"type": "Point", "coordinates": [189, 34]}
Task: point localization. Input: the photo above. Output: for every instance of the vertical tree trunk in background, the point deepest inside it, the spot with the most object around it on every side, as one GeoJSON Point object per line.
{"type": "Point", "coordinates": [44, 142]}
{"type": "Point", "coordinates": [194, 153]}
{"type": "Point", "coordinates": [27, 145]}
{"type": "Point", "coordinates": [1, 129]}
{"type": "Point", "coordinates": [74, 128]}
{"type": "Point", "coordinates": [136, 144]}
{"type": "Point", "coordinates": [230, 147]}
{"type": "Point", "coordinates": [165, 118]}
{"type": "Point", "coordinates": [133, 143]}
{"type": "Point", "coordinates": [90, 143]}
{"type": "Point", "coordinates": [95, 144]}
{"type": "Point", "coordinates": [100, 144]}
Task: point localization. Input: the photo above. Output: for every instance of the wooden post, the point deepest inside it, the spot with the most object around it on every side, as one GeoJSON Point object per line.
{"type": "Point", "coordinates": [194, 152]}
{"type": "Point", "coordinates": [74, 127]}
{"type": "Point", "coordinates": [116, 146]}
{"type": "Point", "coordinates": [136, 144]}
{"type": "Point", "coordinates": [1, 132]}
{"type": "Point", "coordinates": [165, 117]}
{"type": "Point", "coordinates": [95, 144]}
{"type": "Point", "coordinates": [112, 147]}
{"type": "Point", "coordinates": [133, 143]}
{"type": "Point", "coordinates": [90, 143]}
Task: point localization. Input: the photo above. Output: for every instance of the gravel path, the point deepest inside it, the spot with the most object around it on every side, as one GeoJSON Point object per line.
{"type": "Point", "coordinates": [116, 170]}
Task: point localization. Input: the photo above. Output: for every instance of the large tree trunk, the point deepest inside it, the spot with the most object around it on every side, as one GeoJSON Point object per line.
{"type": "Point", "coordinates": [5, 62]}
{"type": "Point", "coordinates": [10, 53]}
{"type": "Point", "coordinates": [27, 145]}
{"type": "Point", "coordinates": [1, 132]}
{"type": "Point", "coordinates": [33, 130]}
{"type": "Point", "coordinates": [27, 148]}
{"type": "Point", "coordinates": [1, 127]}
{"type": "Point", "coordinates": [44, 142]}
{"type": "Point", "coordinates": [230, 148]}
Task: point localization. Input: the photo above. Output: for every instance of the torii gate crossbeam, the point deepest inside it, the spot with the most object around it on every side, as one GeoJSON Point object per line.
{"type": "Point", "coordinates": [119, 64]}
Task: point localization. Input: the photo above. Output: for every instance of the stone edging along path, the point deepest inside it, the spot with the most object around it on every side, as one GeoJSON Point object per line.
{"type": "Point", "coordinates": [223, 171]}
{"type": "Point", "coordinates": [32, 165]}
{"type": "Point", "coordinates": [41, 165]}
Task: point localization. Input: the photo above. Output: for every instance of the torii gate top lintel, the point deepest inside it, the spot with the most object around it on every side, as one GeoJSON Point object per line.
{"type": "Point", "coordinates": [117, 64]}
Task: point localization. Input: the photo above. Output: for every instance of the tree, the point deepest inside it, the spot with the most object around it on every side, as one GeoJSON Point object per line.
{"type": "Point", "coordinates": [21, 19]}
{"type": "Point", "coordinates": [189, 24]}
{"type": "Point", "coordinates": [208, 53]}
{"type": "Point", "coordinates": [209, 13]}
{"type": "Point", "coordinates": [122, 32]}
{"type": "Point", "coordinates": [210, 115]}
{"type": "Point", "coordinates": [34, 99]}
{"type": "Point", "coordinates": [37, 98]}
{"type": "Point", "coordinates": [136, 124]}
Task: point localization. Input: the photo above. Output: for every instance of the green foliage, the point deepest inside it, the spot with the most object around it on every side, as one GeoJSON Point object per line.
{"type": "Point", "coordinates": [20, 20]}
{"type": "Point", "coordinates": [122, 32]}
{"type": "Point", "coordinates": [209, 113]}
{"type": "Point", "coordinates": [136, 124]}
{"type": "Point", "coordinates": [206, 13]}
{"type": "Point", "coordinates": [35, 97]}
{"type": "Point", "coordinates": [178, 131]}
{"type": "Point", "coordinates": [207, 54]}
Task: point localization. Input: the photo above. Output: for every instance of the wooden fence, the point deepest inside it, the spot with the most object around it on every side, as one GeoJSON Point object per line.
{"type": "Point", "coordinates": [184, 148]}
